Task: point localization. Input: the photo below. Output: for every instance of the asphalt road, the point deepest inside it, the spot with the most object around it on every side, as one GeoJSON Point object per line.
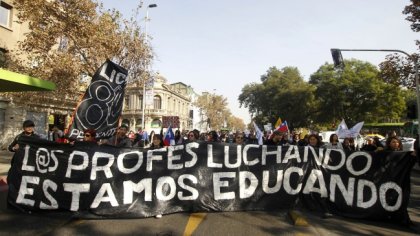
{"type": "Point", "coordinates": [13, 222]}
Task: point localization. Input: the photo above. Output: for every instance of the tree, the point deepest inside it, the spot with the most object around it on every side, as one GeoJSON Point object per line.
{"type": "Point", "coordinates": [235, 123]}
{"type": "Point", "coordinates": [398, 69]}
{"type": "Point", "coordinates": [68, 39]}
{"type": "Point", "coordinates": [282, 93]}
{"type": "Point", "coordinates": [355, 93]}
{"type": "Point", "coordinates": [214, 108]}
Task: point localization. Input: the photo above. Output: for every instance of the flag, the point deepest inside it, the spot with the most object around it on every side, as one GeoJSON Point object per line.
{"type": "Point", "coordinates": [355, 130]}
{"type": "Point", "coordinates": [278, 123]}
{"type": "Point", "coordinates": [101, 105]}
{"type": "Point", "coordinates": [283, 127]}
{"type": "Point", "coordinates": [169, 138]}
{"type": "Point", "coordinates": [258, 134]}
{"type": "Point", "coordinates": [342, 129]}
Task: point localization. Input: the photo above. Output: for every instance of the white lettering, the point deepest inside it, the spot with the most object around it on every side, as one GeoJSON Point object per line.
{"type": "Point", "coordinates": [106, 168]}
{"type": "Point", "coordinates": [130, 187]}
{"type": "Point", "coordinates": [218, 183]}
{"type": "Point", "coordinates": [24, 190]}
{"type": "Point", "coordinates": [245, 190]}
{"type": "Point", "coordinates": [193, 191]}
{"type": "Point", "coordinates": [70, 165]}
{"type": "Point", "coordinates": [75, 190]}
{"type": "Point", "coordinates": [165, 188]}
{"type": "Point", "coordinates": [100, 197]}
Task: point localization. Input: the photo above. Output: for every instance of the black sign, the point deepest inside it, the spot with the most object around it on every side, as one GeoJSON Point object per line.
{"type": "Point", "coordinates": [101, 105]}
{"type": "Point", "coordinates": [201, 177]}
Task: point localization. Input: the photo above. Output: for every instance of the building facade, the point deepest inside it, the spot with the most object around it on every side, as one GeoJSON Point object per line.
{"type": "Point", "coordinates": [13, 111]}
{"type": "Point", "coordinates": [168, 100]}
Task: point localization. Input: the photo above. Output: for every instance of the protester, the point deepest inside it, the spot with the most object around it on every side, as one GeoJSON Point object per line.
{"type": "Point", "coordinates": [28, 131]}
{"type": "Point", "coordinates": [89, 136]}
{"type": "Point", "coordinates": [304, 141]}
{"type": "Point", "coordinates": [370, 146]}
{"type": "Point", "coordinates": [393, 144]}
{"type": "Point", "coordinates": [314, 141]}
{"type": "Point", "coordinates": [295, 139]}
{"type": "Point", "coordinates": [239, 138]}
{"type": "Point", "coordinates": [150, 139]}
{"type": "Point", "coordinates": [212, 136]}
{"type": "Point", "coordinates": [120, 139]}
{"type": "Point", "coordinates": [276, 139]}
{"type": "Point", "coordinates": [57, 134]}
{"type": "Point", "coordinates": [193, 135]}
{"type": "Point", "coordinates": [334, 142]}
{"type": "Point", "coordinates": [157, 142]}
{"type": "Point", "coordinates": [178, 137]}
{"type": "Point", "coordinates": [347, 144]}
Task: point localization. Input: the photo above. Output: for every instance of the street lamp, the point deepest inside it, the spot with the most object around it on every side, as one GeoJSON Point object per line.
{"type": "Point", "coordinates": [338, 62]}
{"type": "Point", "coordinates": [147, 67]}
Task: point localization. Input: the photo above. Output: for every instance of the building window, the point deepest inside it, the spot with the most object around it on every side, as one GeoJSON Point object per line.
{"type": "Point", "coordinates": [156, 123]}
{"type": "Point", "coordinates": [139, 123]}
{"type": "Point", "coordinates": [157, 102]}
{"type": "Point", "coordinates": [140, 102]}
{"type": "Point", "coordinates": [5, 15]}
{"type": "Point", "coordinates": [3, 57]}
{"type": "Point", "coordinates": [125, 122]}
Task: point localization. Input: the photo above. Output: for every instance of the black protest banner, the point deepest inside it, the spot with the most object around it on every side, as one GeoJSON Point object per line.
{"type": "Point", "coordinates": [101, 105]}
{"type": "Point", "coordinates": [199, 177]}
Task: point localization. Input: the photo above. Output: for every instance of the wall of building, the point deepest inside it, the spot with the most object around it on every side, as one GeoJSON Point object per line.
{"type": "Point", "coordinates": [174, 101]}
{"type": "Point", "coordinates": [13, 33]}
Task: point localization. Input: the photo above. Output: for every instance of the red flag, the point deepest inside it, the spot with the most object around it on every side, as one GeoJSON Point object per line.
{"type": "Point", "coordinates": [169, 138]}
{"type": "Point", "coordinates": [283, 127]}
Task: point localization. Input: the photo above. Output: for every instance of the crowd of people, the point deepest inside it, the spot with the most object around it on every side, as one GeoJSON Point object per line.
{"type": "Point", "coordinates": [125, 138]}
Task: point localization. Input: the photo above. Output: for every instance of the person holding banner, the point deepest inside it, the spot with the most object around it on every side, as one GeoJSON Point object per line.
{"type": "Point", "coordinates": [157, 142]}
{"type": "Point", "coordinates": [334, 142]}
{"type": "Point", "coordinates": [28, 130]}
{"type": "Point", "coordinates": [89, 136]}
{"type": "Point", "coordinates": [239, 138]}
{"type": "Point", "coordinates": [212, 136]}
{"type": "Point", "coordinates": [193, 136]}
{"type": "Point", "coordinates": [314, 141]}
{"type": "Point", "coordinates": [120, 139]}
{"type": "Point", "coordinates": [393, 144]}
{"type": "Point", "coordinates": [277, 139]}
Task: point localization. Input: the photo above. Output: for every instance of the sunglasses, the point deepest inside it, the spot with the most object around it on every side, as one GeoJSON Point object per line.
{"type": "Point", "coordinates": [88, 135]}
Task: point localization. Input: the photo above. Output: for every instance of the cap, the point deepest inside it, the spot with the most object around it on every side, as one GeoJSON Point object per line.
{"type": "Point", "coordinates": [28, 123]}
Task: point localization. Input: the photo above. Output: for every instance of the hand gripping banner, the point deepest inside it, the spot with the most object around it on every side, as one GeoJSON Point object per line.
{"type": "Point", "coordinates": [106, 181]}
{"type": "Point", "coordinates": [101, 105]}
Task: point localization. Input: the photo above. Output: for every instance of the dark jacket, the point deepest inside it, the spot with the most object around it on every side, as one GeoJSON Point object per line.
{"type": "Point", "coordinates": [119, 142]}
{"type": "Point", "coordinates": [16, 140]}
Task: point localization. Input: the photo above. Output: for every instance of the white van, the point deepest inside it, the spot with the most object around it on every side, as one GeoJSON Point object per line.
{"type": "Point", "coordinates": [358, 141]}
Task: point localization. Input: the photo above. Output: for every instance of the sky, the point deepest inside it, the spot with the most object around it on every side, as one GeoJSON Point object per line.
{"type": "Point", "coordinates": [220, 46]}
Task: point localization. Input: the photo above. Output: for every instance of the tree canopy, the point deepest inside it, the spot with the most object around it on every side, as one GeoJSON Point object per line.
{"type": "Point", "coordinates": [216, 114]}
{"type": "Point", "coordinates": [281, 93]}
{"type": "Point", "coordinates": [71, 39]}
{"type": "Point", "coordinates": [355, 93]}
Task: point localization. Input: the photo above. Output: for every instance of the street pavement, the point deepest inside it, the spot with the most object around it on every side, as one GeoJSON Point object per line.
{"type": "Point", "coordinates": [13, 222]}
